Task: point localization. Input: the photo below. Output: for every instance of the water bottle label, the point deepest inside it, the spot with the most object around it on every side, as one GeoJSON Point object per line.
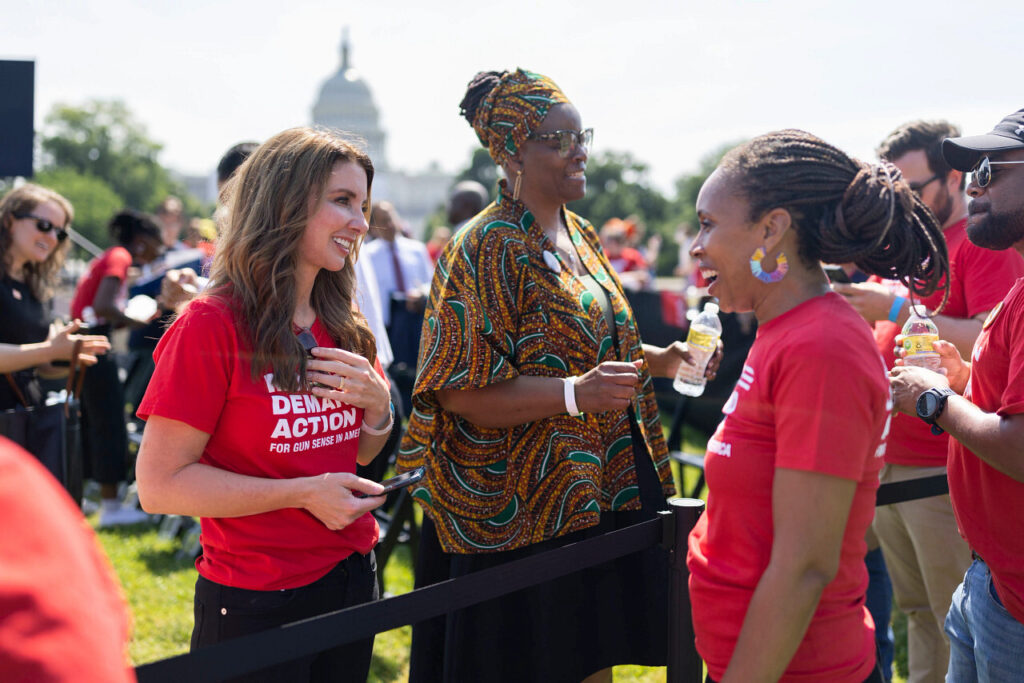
{"type": "Point", "coordinates": [701, 340]}
{"type": "Point", "coordinates": [919, 343]}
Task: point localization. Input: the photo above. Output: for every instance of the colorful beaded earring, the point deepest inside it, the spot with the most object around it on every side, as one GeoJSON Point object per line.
{"type": "Point", "coordinates": [781, 267]}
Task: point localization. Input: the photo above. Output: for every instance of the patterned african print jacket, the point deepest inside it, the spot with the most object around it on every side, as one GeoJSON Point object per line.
{"type": "Point", "coordinates": [499, 308]}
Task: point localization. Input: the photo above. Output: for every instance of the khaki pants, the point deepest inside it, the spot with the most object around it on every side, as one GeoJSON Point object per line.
{"type": "Point", "coordinates": [927, 560]}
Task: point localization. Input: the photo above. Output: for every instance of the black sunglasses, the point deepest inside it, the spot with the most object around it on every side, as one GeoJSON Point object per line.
{"type": "Point", "coordinates": [308, 342]}
{"type": "Point", "coordinates": [43, 225]}
{"type": "Point", "coordinates": [982, 173]}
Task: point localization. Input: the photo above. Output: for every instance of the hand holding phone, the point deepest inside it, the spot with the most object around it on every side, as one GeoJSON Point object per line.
{"type": "Point", "coordinates": [837, 274]}
{"type": "Point", "coordinates": [395, 483]}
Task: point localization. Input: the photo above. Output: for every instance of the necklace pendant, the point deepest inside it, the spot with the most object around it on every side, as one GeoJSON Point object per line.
{"type": "Point", "coordinates": [552, 261]}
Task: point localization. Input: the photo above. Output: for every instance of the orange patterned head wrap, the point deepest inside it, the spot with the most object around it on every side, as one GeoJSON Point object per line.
{"type": "Point", "coordinates": [504, 108]}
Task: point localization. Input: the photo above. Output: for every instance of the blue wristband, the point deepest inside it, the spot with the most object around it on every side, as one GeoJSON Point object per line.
{"type": "Point", "coordinates": [897, 306]}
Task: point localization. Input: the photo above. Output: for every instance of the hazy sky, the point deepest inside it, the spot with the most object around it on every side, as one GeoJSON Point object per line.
{"type": "Point", "coordinates": [667, 81]}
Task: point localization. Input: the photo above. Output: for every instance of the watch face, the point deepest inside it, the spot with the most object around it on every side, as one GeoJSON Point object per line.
{"type": "Point", "coordinates": [927, 404]}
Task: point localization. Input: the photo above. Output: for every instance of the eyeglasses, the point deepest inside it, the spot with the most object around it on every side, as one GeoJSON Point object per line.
{"type": "Point", "coordinates": [982, 173]}
{"type": "Point", "coordinates": [917, 187]}
{"type": "Point", "coordinates": [308, 342]}
{"type": "Point", "coordinates": [43, 225]}
{"type": "Point", "coordinates": [567, 139]}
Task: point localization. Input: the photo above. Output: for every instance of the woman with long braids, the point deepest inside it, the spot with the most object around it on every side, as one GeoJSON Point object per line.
{"type": "Point", "coordinates": [777, 561]}
{"type": "Point", "coordinates": [257, 439]}
{"type": "Point", "coordinates": [534, 412]}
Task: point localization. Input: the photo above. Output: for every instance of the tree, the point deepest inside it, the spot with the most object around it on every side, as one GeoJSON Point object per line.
{"type": "Point", "coordinates": [481, 169]}
{"type": "Point", "coordinates": [93, 199]}
{"type": "Point", "coordinates": [104, 140]}
{"type": "Point", "coordinates": [617, 187]}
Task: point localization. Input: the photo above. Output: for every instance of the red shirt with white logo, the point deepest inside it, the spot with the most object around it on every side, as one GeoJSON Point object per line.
{"type": "Point", "coordinates": [203, 379]}
{"type": "Point", "coordinates": [979, 279]}
{"type": "Point", "coordinates": [989, 505]}
{"type": "Point", "coordinates": [813, 396]}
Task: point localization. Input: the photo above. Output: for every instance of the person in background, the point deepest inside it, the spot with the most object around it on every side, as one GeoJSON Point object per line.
{"type": "Point", "coordinates": [34, 223]}
{"type": "Point", "coordinates": [101, 299]}
{"type": "Point", "coordinates": [777, 576]}
{"type": "Point", "coordinates": [924, 552]}
{"type": "Point", "coordinates": [202, 234]}
{"type": "Point", "coordinates": [266, 395]}
{"type": "Point", "coordinates": [534, 413]}
{"type": "Point", "coordinates": [231, 160]}
{"type": "Point", "coordinates": [438, 238]}
{"type": "Point", "coordinates": [467, 199]}
{"type": "Point", "coordinates": [403, 269]}
{"type": "Point", "coordinates": [628, 262]}
{"type": "Point", "coordinates": [981, 405]}
{"type": "Point", "coordinates": [170, 215]}
{"type": "Point", "coordinates": [64, 617]}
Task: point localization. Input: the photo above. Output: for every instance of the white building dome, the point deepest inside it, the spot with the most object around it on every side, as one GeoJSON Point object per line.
{"type": "Point", "coordinates": [346, 103]}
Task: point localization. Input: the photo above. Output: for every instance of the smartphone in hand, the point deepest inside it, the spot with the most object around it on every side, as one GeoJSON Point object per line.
{"type": "Point", "coordinates": [837, 274]}
{"type": "Point", "coordinates": [395, 483]}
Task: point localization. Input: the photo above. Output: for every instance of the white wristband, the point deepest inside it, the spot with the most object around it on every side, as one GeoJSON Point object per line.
{"type": "Point", "coordinates": [569, 389]}
{"type": "Point", "coordinates": [385, 429]}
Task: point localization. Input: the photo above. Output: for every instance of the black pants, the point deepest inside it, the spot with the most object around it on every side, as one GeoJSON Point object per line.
{"type": "Point", "coordinates": [223, 612]}
{"type": "Point", "coordinates": [104, 435]}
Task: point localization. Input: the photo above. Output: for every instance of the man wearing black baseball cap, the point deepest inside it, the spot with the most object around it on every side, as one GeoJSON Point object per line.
{"type": "Point", "coordinates": [981, 405]}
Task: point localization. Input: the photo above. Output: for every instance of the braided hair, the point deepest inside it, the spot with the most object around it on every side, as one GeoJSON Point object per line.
{"type": "Point", "coordinates": [477, 90]}
{"type": "Point", "coordinates": [844, 211]}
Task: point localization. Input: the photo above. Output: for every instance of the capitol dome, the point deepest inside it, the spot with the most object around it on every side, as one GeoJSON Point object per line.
{"type": "Point", "coordinates": [346, 103]}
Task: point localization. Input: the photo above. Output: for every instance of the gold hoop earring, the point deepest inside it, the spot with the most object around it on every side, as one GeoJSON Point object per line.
{"type": "Point", "coordinates": [518, 186]}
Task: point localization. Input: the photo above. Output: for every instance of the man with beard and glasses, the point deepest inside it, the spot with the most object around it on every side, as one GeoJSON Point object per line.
{"type": "Point", "coordinates": [923, 551]}
{"type": "Point", "coordinates": [981, 405]}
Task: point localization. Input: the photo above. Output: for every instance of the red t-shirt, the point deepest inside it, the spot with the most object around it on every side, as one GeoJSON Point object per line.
{"type": "Point", "coordinates": [62, 614]}
{"type": "Point", "coordinates": [813, 396]}
{"type": "Point", "coordinates": [989, 505]}
{"type": "Point", "coordinates": [629, 259]}
{"type": "Point", "coordinates": [979, 279]}
{"type": "Point", "coordinates": [114, 262]}
{"type": "Point", "coordinates": [203, 379]}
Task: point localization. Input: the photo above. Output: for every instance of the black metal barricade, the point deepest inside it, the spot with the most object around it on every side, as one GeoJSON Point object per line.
{"type": "Point", "coordinates": [261, 650]}
{"type": "Point", "coordinates": [894, 492]}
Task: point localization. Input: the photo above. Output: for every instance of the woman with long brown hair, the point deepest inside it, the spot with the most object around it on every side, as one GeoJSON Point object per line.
{"type": "Point", "coordinates": [34, 224]}
{"type": "Point", "coordinates": [258, 439]}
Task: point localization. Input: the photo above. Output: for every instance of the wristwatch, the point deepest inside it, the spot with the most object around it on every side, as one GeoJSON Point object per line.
{"type": "Point", "coordinates": [930, 405]}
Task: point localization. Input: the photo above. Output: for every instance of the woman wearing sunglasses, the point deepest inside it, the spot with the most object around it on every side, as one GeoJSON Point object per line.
{"type": "Point", "coordinates": [33, 241]}
{"type": "Point", "coordinates": [535, 414]}
{"type": "Point", "coordinates": [259, 440]}
{"type": "Point", "coordinates": [777, 576]}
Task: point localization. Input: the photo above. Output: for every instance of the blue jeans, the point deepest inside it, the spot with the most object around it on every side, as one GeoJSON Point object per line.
{"type": "Point", "coordinates": [879, 603]}
{"type": "Point", "coordinates": [986, 642]}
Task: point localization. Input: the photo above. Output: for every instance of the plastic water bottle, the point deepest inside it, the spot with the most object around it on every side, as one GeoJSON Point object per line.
{"type": "Point", "coordinates": [702, 341]}
{"type": "Point", "coordinates": [919, 333]}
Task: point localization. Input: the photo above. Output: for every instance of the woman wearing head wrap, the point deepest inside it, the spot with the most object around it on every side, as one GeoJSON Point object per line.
{"type": "Point", "coordinates": [534, 409]}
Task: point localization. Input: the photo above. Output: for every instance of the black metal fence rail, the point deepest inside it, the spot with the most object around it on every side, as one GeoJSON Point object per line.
{"type": "Point", "coordinates": [261, 650]}
{"type": "Point", "coordinates": [894, 492]}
